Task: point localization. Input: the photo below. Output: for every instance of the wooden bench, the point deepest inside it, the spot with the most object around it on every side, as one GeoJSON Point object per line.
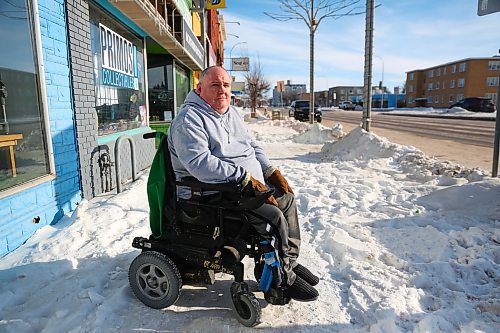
{"type": "Point", "coordinates": [9, 141]}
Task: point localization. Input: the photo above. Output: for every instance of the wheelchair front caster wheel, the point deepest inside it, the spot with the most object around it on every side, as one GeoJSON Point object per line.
{"type": "Point", "coordinates": [248, 310]}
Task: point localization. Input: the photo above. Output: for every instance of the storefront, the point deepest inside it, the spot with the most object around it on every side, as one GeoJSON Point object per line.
{"type": "Point", "coordinates": [126, 82]}
{"type": "Point", "coordinates": [76, 105]}
{"type": "Point", "coordinates": [39, 179]}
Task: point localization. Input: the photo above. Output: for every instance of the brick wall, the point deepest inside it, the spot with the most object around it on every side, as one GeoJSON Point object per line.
{"type": "Point", "coordinates": [52, 199]}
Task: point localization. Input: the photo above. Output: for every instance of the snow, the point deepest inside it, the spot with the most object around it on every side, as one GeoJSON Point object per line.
{"type": "Point", "coordinates": [452, 112]}
{"type": "Point", "coordinates": [402, 243]}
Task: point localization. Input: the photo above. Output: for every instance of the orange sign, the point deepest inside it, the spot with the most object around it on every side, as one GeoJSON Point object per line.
{"type": "Point", "coordinates": [281, 86]}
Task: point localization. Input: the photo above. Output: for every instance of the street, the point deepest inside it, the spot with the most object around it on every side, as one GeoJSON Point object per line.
{"type": "Point", "coordinates": [467, 142]}
{"type": "Point", "coordinates": [470, 132]}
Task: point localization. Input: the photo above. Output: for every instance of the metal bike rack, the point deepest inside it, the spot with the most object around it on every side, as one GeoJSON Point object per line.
{"type": "Point", "coordinates": [117, 160]}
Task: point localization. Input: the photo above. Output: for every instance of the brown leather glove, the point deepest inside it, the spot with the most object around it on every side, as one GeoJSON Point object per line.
{"type": "Point", "coordinates": [277, 179]}
{"type": "Point", "coordinates": [259, 187]}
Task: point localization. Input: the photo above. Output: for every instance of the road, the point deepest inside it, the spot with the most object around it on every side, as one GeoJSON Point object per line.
{"type": "Point", "coordinates": [470, 132]}
{"type": "Point", "coordinates": [467, 142]}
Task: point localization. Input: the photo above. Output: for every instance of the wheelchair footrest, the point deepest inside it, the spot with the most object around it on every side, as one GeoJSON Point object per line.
{"type": "Point", "coordinates": [141, 243]}
{"type": "Point", "coordinates": [276, 297]}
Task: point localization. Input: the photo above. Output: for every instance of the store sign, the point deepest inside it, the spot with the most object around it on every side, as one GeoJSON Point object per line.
{"type": "Point", "coordinates": [238, 87]}
{"type": "Point", "coordinates": [192, 44]}
{"type": "Point", "coordinates": [485, 7]}
{"type": "Point", "coordinates": [240, 64]}
{"type": "Point", "coordinates": [216, 4]}
{"type": "Point", "coordinates": [118, 60]}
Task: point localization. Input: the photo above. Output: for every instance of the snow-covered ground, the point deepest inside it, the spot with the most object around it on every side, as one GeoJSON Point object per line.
{"type": "Point", "coordinates": [402, 243]}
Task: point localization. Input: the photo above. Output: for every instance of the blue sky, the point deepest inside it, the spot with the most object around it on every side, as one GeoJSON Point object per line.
{"type": "Point", "coordinates": [408, 35]}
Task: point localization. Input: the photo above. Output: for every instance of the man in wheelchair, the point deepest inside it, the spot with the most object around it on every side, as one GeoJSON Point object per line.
{"type": "Point", "coordinates": [210, 207]}
{"type": "Point", "coordinates": [209, 141]}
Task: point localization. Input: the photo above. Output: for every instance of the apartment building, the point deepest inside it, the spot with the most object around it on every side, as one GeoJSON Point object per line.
{"type": "Point", "coordinates": [442, 85]}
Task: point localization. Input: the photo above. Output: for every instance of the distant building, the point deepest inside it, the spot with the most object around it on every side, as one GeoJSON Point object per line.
{"type": "Point", "coordinates": [344, 93]}
{"type": "Point", "coordinates": [441, 85]}
{"type": "Point", "coordinates": [291, 93]}
{"type": "Point", "coordinates": [321, 98]}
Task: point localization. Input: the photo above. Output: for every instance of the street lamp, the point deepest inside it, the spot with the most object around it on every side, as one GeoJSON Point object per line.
{"type": "Point", "coordinates": [231, 56]}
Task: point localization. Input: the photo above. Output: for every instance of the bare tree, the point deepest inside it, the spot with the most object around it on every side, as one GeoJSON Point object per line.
{"type": "Point", "coordinates": [290, 95]}
{"type": "Point", "coordinates": [312, 13]}
{"type": "Point", "coordinates": [256, 84]}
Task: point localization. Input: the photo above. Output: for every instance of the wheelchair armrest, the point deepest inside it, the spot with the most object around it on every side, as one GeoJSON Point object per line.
{"type": "Point", "coordinates": [230, 187]}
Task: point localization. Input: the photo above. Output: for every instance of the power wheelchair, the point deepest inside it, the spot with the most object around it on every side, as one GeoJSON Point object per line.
{"type": "Point", "coordinates": [199, 237]}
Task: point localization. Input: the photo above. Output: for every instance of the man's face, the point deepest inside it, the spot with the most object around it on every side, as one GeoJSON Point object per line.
{"type": "Point", "coordinates": [216, 89]}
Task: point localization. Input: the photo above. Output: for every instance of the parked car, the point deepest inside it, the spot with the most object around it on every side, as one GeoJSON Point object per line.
{"type": "Point", "coordinates": [300, 111]}
{"type": "Point", "coordinates": [476, 104]}
{"type": "Point", "coordinates": [347, 105]}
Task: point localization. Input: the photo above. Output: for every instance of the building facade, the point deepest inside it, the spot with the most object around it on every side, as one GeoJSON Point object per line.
{"type": "Point", "coordinates": [442, 85]}
{"type": "Point", "coordinates": [344, 93]}
{"type": "Point", "coordinates": [292, 92]}
{"type": "Point", "coordinates": [81, 84]}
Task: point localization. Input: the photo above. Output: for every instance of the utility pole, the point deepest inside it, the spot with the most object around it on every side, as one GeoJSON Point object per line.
{"type": "Point", "coordinates": [367, 96]}
{"type": "Point", "coordinates": [312, 30]}
{"type": "Point", "coordinates": [496, 145]}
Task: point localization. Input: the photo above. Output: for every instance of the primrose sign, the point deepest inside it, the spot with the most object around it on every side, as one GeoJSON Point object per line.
{"type": "Point", "coordinates": [118, 60]}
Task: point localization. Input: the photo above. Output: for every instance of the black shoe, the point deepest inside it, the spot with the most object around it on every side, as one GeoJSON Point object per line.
{"type": "Point", "coordinates": [306, 274]}
{"type": "Point", "coordinates": [302, 291]}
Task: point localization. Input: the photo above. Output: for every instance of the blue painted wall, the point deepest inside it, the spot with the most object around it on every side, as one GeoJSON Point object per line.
{"type": "Point", "coordinates": [50, 200]}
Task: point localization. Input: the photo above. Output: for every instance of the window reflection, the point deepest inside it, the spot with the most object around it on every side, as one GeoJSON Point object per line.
{"type": "Point", "coordinates": [23, 153]}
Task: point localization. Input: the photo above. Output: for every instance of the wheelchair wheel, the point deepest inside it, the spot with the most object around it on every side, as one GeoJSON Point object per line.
{"type": "Point", "coordinates": [155, 279]}
{"type": "Point", "coordinates": [248, 310]}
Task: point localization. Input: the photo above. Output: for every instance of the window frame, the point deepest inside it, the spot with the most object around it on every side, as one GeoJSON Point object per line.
{"type": "Point", "coordinates": [36, 38]}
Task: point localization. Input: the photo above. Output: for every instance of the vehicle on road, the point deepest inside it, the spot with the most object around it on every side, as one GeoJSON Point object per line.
{"type": "Point", "coordinates": [347, 105]}
{"type": "Point", "coordinates": [475, 104]}
{"type": "Point", "coordinates": [300, 110]}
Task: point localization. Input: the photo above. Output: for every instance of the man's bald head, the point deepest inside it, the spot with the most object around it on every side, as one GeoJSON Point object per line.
{"type": "Point", "coordinates": [215, 88]}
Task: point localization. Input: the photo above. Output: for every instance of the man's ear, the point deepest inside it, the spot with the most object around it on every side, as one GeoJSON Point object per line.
{"type": "Point", "coordinates": [198, 88]}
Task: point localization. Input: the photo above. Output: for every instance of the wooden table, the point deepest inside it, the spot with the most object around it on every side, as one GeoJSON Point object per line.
{"type": "Point", "coordinates": [9, 141]}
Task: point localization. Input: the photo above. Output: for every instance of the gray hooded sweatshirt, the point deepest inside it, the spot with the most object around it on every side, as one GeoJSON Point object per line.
{"type": "Point", "coordinates": [213, 147]}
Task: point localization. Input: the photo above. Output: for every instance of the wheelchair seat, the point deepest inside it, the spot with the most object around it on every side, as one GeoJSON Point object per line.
{"type": "Point", "coordinates": [193, 239]}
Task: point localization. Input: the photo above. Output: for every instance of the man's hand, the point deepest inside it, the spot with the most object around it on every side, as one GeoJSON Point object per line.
{"type": "Point", "coordinates": [257, 186]}
{"type": "Point", "coordinates": [277, 179]}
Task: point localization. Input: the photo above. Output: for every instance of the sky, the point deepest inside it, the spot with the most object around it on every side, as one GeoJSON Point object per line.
{"type": "Point", "coordinates": [408, 35]}
{"type": "Point", "coordinates": [401, 242]}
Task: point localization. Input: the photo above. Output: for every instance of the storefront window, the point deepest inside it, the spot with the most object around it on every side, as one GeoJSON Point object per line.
{"type": "Point", "coordinates": [118, 60]}
{"type": "Point", "coordinates": [160, 88]}
{"type": "Point", "coordinates": [181, 85]}
{"type": "Point", "coordinates": [23, 151]}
